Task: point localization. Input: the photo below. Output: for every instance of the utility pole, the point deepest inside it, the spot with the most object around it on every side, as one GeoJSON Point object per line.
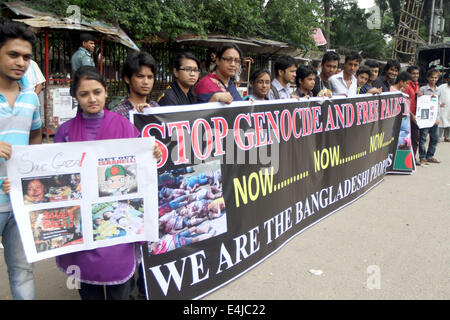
{"type": "Point", "coordinates": [436, 22]}
{"type": "Point", "coordinates": [326, 9]}
{"type": "Point", "coordinates": [431, 23]}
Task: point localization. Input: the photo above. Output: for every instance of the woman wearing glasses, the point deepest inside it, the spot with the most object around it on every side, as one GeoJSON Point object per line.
{"type": "Point", "coordinates": [186, 71]}
{"type": "Point", "coordinates": [219, 86]}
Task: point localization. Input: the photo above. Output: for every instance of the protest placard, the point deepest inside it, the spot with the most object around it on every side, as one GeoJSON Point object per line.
{"type": "Point", "coordinates": [69, 197]}
{"type": "Point", "coordinates": [237, 182]}
{"type": "Point", "coordinates": [427, 111]}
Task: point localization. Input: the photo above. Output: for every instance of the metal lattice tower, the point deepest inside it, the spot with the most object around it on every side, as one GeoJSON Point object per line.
{"type": "Point", "coordinates": [407, 37]}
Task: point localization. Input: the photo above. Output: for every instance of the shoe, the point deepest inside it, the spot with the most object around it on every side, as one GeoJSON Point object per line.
{"type": "Point", "coordinates": [418, 163]}
{"type": "Point", "coordinates": [433, 160]}
{"type": "Point", "coordinates": [446, 140]}
{"type": "Point", "coordinates": [424, 162]}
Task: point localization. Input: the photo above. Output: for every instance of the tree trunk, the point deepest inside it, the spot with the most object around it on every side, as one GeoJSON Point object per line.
{"type": "Point", "coordinates": [326, 8]}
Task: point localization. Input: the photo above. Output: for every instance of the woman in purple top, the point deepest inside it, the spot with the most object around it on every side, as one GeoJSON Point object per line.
{"type": "Point", "coordinates": [112, 266]}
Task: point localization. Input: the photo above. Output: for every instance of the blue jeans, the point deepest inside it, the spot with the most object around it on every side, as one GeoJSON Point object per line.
{"type": "Point", "coordinates": [20, 272]}
{"type": "Point", "coordinates": [434, 138]}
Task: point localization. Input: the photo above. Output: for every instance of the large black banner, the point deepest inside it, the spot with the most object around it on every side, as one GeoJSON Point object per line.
{"type": "Point", "coordinates": [236, 182]}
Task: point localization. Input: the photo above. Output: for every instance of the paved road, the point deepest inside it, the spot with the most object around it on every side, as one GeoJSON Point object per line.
{"type": "Point", "coordinates": [394, 243]}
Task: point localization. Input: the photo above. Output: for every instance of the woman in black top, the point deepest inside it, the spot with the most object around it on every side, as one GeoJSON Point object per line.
{"type": "Point", "coordinates": [305, 80]}
{"type": "Point", "coordinates": [186, 72]}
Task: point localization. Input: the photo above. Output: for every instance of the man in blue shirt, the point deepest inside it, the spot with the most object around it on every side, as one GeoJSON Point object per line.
{"type": "Point", "coordinates": [20, 124]}
{"type": "Point", "coordinates": [426, 155]}
{"type": "Point", "coordinates": [285, 72]}
{"type": "Point", "coordinates": [83, 56]}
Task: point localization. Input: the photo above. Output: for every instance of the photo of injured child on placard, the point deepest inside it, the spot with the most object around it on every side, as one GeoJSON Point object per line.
{"type": "Point", "coordinates": [118, 219]}
{"type": "Point", "coordinates": [191, 206]}
{"type": "Point", "coordinates": [56, 228]}
{"type": "Point", "coordinates": [117, 180]}
{"type": "Point", "coordinates": [51, 188]}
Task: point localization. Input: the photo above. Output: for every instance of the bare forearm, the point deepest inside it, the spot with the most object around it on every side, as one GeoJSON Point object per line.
{"type": "Point", "coordinates": [38, 89]}
{"type": "Point", "coordinates": [35, 136]}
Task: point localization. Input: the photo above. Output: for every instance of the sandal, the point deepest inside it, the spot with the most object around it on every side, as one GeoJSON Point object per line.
{"type": "Point", "coordinates": [433, 160]}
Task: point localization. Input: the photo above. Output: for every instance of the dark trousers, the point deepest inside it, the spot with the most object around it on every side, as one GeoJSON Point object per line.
{"type": "Point", "coordinates": [113, 292]}
{"type": "Point", "coordinates": [139, 282]}
{"type": "Point", "coordinates": [415, 137]}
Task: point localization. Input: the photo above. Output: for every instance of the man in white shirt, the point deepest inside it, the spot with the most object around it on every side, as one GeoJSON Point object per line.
{"type": "Point", "coordinates": [35, 77]}
{"type": "Point", "coordinates": [444, 120]}
{"type": "Point", "coordinates": [345, 82]}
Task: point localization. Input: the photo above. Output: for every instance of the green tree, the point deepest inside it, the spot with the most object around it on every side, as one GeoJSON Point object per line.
{"type": "Point", "coordinates": [293, 21]}
{"type": "Point", "coordinates": [137, 18]}
{"type": "Point", "coordinates": [350, 31]}
{"type": "Point", "coordinates": [233, 17]}
{"type": "Point", "coordinates": [285, 20]}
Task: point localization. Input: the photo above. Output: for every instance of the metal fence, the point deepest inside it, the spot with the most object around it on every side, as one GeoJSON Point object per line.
{"type": "Point", "coordinates": [165, 53]}
{"type": "Point", "coordinates": [62, 44]}
{"type": "Point", "coordinates": [61, 47]}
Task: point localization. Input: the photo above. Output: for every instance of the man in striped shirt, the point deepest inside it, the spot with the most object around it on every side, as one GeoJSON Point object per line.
{"type": "Point", "coordinates": [20, 124]}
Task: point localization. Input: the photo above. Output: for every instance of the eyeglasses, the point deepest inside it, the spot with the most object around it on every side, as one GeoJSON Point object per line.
{"type": "Point", "coordinates": [231, 59]}
{"type": "Point", "coordinates": [189, 70]}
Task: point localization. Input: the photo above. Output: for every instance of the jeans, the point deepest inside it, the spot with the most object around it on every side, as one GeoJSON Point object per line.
{"type": "Point", "coordinates": [434, 138]}
{"type": "Point", "coordinates": [20, 272]}
{"type": "Point", "coordinates": [444, 132]}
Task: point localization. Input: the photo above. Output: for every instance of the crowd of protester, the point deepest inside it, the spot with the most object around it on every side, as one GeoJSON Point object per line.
{"type": "Point", "coordinates": [289, 80]}
{"type": "Point", "coordinates": [218, 84]}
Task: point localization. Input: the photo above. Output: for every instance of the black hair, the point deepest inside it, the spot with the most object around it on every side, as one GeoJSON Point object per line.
{"type": "Point", "coordinates": [255, 74]}
{"type": "Point", "coordinates": [10, 30]}
{"type": "Point", "coordinates": [282, 63]}
{"type": "Point", "coordinates": [403, 76]}
{"type": "Point", "coordinates": [26, 183]}
{"type": "Point", "coordinates": [185, 55]}
{"type": "Point", "coordinates": [330, 56]}
{"type": "Point", "coordinates": [208, 61]}
{"type": "Point", "coordinates": [303, 72]}
{"type": "Point", "coordinates": [364, 69]}
{"type": "Point", "coordinates": [85, 73]}
{"type": "Point", "coordinates": [431, 72]}
{"type": "Point", "coordinates": [314, 64]}
{"type": "Point", "coordinates": [134, 62]}
{"type": "Point", "coordinates": [212, 50]}
{"type": "Point", "coordinates": [86, 37]}
{"type": "Point", "coordinates": [372, 63]}
{"type": "Point", "coordinates": [391, 64]}
{"type": "Point", "coordinates": [353, 55]}
{"type": "Point", "coordinates": [229, 46]}
{"type": "Point", "coordinates": [410, 69]}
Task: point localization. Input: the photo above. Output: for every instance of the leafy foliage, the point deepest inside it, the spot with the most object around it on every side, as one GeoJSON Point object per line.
{"type": "Point", "coordinates": [284, 20]}
{"type": "Point", "coordinates": [350, 31]}
{"type": "Point", "coordinates": [293, 21]}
